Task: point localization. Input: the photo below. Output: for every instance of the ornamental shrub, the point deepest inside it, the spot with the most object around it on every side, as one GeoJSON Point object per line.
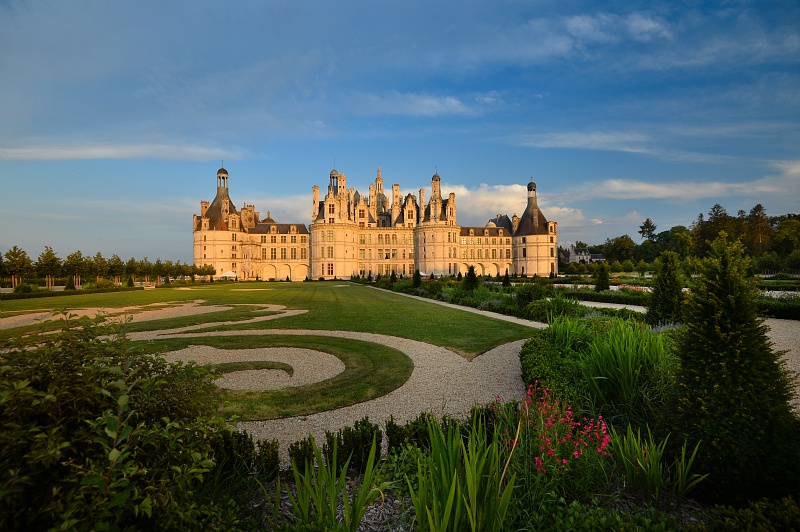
{"type": "Point", "coordinates": [470, 281]}
{"type": "Point", "coordinates": [666, 298]}
{"type": "Point", "coordinates": [416, 279]}
{"type": "Point", "coordinates": [96, 434]}
{"type": "Point", "coordinates": [70, 283]}
{"type": "Point", "coordinates": [601, 280]}
{"type": "Point", "coordinates": [732, 390]}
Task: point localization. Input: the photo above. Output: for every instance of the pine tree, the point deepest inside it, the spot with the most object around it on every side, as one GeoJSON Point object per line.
{"type": "Point", "coordinates": [601, 281]}
{"type": "Point", "coordinates": [666, 300]}
{"type": "Point", "coordinates": [506, 280]}
{"type": "Point", "coordinates": [470, 281]}
{"type": "Point", "coordinates": [416, 279]}
{"type": "Point", "coordinates": [70, 283]}
{"type": "Point", "coordinates": [732, 391]}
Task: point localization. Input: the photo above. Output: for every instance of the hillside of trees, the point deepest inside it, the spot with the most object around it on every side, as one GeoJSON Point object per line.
{"type": "Point", "coordinates": [773, 242]}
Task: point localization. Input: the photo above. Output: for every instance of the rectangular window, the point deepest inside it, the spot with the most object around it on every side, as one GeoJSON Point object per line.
{"type": "Point", "coordinates": [263, 253]}
{"type": "Point", "coordinates": [479, 241]}
{"type": "Point", "coordinates": [330, 236]}
{"type": "Point", "coordinates": [508, 253]}
{"type": "Point", "coordinates": [294, 253]}
{"type": "Point", "coordinates": [283, 253]}
{"type": "Point", "coordinates": [362, 254]}
{"type": "Point", "coordinates": [233, 237]}
{"type": "Point", "coordinates": [330, 269]}
{"type": "Point", "coordinates": [362, 239]}
{"type": "Point", "coordinates": [283, 239]}
{"type": "Point", "coordinates": [494, 253]}
{"type": "Point", "coordinates": [463, 241]}
{"type": "Point", "coordinates": [330, 252]}
{"type": "Point", "coordinates": [552, 252]}
{"type": "Point", "coordinates": [293, 239]}
{"type": "Point", "coordinates": [303, 253]}
{"type": "Point", "coordinates": [273, 253]}
{"type": "Point", "coordinates": [303, 239]}
{"type": "Point", "coordinates": [524, 252]}
{"type": "Point", "coordinates": [273, 239]}
{"type": "Point", "coordinates": [394, 254]}
{"type": "Point", "coordinates": [263, 239]}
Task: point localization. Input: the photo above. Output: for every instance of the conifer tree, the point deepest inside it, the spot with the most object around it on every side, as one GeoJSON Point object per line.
{"type": "Point", "coordinates": [506, 280]}
{"type": "Point", "coordinates": [470, 281]}
{"type": "Point", "coordinates": [70, 283]}
{"type": "Point", "coordinates": [732, 390]}
{"type": "Point", "coordinates": [666, 300]}
{"type": "Point", "coordinates": [601, 281]}
{"type": "Point", "coordinates": [416, 279]}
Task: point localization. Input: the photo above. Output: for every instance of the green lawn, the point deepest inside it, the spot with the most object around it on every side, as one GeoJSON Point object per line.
{"type": "Point", "coordinates": [371, 370]}
{"type": "Point", "coordinates": [331, 306]}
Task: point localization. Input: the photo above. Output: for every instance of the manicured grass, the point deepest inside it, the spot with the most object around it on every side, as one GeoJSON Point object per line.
{"type": "Point", "coordinates": [371, 370]}
{"type": "Point", "coordinates": [331, 305]}
{"type": "Point", "coordinates": [230, 367]}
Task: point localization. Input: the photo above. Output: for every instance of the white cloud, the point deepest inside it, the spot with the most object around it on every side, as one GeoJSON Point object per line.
{"type": "Point", "coordinates": [414, 104]}
{"type": "Point", "coordinates": [594, 140]}
{"type": "Point", "coordinates": [184, 152]}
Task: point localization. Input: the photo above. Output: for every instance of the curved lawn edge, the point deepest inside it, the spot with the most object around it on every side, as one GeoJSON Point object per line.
{"type": "Point", "coordinates": [371, 371]}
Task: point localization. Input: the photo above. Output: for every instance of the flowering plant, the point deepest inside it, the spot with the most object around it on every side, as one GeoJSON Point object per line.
{"type": "Point", "coordinates": [556, 453]}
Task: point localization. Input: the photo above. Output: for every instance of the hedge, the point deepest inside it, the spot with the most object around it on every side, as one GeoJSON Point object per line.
{"type": "Point", "coordinates": [50, 293]}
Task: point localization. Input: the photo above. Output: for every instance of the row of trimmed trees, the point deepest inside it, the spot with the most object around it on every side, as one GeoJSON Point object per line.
{"type": "Point", "coordinates": [16, 264]}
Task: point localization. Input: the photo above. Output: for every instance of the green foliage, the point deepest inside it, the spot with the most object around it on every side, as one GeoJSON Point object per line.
{"type": "Point", "coordinates": [321, 493]}
{"type": "Point", "coordinates": [555, 453]}
{"type": "Point", "coordinates": [733, 392]}
{"type": "Point", "coordinates": [527, 293]}
{"type": "Point", "coordinates": [354, 442]}
{"type": "Point", "coordinates": [554, 367]}
{"type": "Point", "coordinates": [577, 516]}
{"type": "Point", "coordinates": [414, 432]}
{"type": "Point", "coordinates": [461, 484]}
{"type": "Point", "coordinates": [780, 514]}
{"type": "Point", "coordinates": [544, 310]}
{"type": "Point", "coordinates": [393, 277]}
{"type": "Point", "coordinates": [23, 289]}
{"type": "Point", "coordinates": [129, 282]}
{"type": "Point", "coordinates": [96, 433]}
{"type": "Point", "coordinates": [70, 283]}
{"type": "Point", "coordinates": [629, 373]}
{"type": "Point", "coordinates": [601, 278]}
{"type": "Point", "coordinates": [666, 300]}
{"type": "Point", "coordinates": [470, 281]}
{"type": "Point", "coordinates": [235, 450]}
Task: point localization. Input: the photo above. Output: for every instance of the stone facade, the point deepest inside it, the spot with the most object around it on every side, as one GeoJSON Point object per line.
{"type": "Point", "coordinates": [353, 234]}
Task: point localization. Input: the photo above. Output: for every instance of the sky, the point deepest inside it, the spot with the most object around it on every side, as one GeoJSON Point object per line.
{"type": "Point", "coordinates": [115, 116]}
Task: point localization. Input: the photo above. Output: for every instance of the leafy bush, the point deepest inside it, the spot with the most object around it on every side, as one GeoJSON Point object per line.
{"type": "Point", "coordinates": [554, 367]}
{"type": "Point", "coordinates": [235, 450]}
{"type": "Point", "coordinates": [782, 514]}
{"type": "Point", "coordinates": [354, 442]}
{"type": "Point", "coordinates": [414, 432]}
{"type": "Point", "coordinates": [733, 391]}
{"type": "Point", "coordinates": [24, 289]}
{"type": "Point", "coordinates": [527, 293]}
{"type": "Point", "coordinates": [96, 433]}
{"type": "Point", "coordinates": [558, 305]}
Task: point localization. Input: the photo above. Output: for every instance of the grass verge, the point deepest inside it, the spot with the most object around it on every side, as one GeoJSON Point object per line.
{"type": "Point", "coordinates": [371, 370]}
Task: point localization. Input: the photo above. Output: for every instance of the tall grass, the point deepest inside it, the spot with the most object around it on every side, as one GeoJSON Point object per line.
{"type": "Point", "coordinates": [628, 373]}
{"type": "Point", "coordinates": [461, 485]}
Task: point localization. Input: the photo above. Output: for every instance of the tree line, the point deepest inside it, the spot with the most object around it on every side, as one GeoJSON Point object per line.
{"type": "Point", "coordinates": [772, 242]}
{"type": "Point", "coordinates": [16, 263]}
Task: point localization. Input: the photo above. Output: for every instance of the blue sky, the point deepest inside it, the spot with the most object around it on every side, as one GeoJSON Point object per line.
{"type": "Point", "coordinates": [115, 116]}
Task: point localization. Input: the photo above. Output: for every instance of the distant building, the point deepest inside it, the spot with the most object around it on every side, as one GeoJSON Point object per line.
{"type": "Point", "coordinates": [375, 234]}
{"type": "Point", "coordinates": [582, 255]}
